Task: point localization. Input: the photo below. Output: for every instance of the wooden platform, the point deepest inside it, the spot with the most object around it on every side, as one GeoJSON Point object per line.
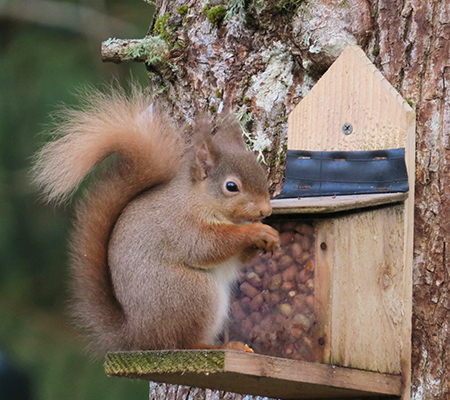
{"type": "Point", "coordinates": [332, 204]}
{"type": "Point", "coordinates": [251, 374]}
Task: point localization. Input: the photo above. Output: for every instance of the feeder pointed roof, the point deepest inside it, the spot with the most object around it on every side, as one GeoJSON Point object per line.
{"type": "Point", "coordinates": [352, 92]}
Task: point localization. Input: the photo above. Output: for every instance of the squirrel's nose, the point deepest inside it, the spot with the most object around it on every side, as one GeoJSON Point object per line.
{"type": "Point", "coordinates": [265, 209]}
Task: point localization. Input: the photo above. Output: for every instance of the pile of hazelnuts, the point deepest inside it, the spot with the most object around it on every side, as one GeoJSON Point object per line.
{"type": "Point", "coordinates": [273, 307]}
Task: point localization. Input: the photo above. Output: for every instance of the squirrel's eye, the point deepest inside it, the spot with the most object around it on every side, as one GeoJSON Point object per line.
{"type": "Point", "coordinates": [232, 186]}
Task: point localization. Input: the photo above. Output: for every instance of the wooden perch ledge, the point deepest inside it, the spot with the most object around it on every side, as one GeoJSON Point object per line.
{"type": "Point", "coordinates": [252, 374]}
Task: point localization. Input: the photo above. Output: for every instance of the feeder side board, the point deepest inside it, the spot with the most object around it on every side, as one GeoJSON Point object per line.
{"type": "Point", "coordinates": [366, 309]}
{"type": "Point", "coordinates": [410, 158]}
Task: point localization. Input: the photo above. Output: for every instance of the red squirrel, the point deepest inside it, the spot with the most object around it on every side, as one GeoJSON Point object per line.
{"type": "Point", "coordinates": [161, 233]}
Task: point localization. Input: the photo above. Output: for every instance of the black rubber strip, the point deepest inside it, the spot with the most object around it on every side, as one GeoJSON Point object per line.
{"type": "Point", "coordinates": [332, 173]}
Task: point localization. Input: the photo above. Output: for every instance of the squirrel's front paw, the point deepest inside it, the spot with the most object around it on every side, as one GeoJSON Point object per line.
{"type": "Point", "coordinates": [266, 237]}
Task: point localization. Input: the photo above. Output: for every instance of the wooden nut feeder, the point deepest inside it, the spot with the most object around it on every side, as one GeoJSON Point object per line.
{"type": "Point", "coordinates": [329, 314]}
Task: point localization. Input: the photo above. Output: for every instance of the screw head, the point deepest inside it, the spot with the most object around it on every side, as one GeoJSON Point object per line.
{"type": "Point", "coordinates": [347, 128]}
{"type": "Point", "coordinates": [323, 246]}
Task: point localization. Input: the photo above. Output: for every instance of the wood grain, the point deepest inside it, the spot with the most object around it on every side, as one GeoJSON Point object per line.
{"type": "Point", "coordinates": [368, 286]}
{"type": "Point", "coordinates": [331, 204]}
{"type": "Point", "coordinates": [351, 91]}
{"type": "Point", "coordinates": [251, 374]}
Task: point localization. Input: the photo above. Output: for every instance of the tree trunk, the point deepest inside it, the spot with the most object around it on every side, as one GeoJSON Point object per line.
{"type": "Point", "coordinates": [262, 57]}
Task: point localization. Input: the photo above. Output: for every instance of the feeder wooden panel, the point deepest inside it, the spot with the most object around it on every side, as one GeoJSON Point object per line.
{"type": "Point", "coordinates": [369, 264]}
{"type": "Point", "coordinates": [363, 261]}
{"type": "Point", "coordinates": [359, 303]}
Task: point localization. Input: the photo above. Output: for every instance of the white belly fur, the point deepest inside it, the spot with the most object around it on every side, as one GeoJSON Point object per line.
{"type": "Point", "coordinates": [224, 274]}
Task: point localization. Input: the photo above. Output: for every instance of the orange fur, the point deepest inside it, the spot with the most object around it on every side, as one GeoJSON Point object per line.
{"type": "Point", "coordinates": [108, 123]}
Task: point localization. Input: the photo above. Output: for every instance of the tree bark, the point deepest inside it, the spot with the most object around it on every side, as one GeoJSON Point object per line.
{"type": "Point", "coordinates": [262, 57]}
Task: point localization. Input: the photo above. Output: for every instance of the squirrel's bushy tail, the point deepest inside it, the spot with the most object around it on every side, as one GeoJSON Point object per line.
{"type": "Point", "coordinates": [149, 152]}
{"type": "Point", "coordinates": [105, 123]}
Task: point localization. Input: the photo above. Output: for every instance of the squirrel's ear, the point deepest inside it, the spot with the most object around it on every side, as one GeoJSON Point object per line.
{"type": "Point", "coordinates": [203, 162]}
{"type": "Point", "coordinates": [203, 149]}
{"type": "Point", "coordinates": [229, 132]}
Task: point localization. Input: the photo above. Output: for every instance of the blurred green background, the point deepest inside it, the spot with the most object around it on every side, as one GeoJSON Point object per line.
{"type": "Point", "coordinates": [48, 50]}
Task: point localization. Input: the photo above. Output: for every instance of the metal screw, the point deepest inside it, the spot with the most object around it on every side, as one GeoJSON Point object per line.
{"type": "Point", "coordinates": [323, 246]}
{"type": "Point", "coordinates": [321, 341]}
{"type": "Point", "coordinates": [347, 128]}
